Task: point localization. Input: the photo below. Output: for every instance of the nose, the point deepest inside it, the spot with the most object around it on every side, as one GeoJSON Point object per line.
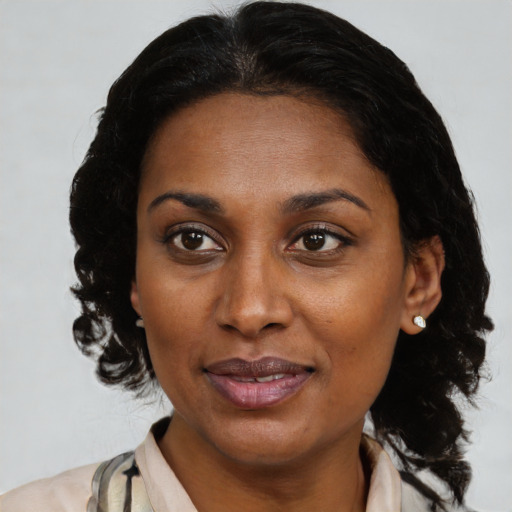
{"type": "Point", "coordinates": [253, 296]}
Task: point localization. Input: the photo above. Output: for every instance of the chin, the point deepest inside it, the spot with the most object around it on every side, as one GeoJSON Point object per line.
{"type": "Point", "coordinates": [269, 453]}
{"type": "Point", "coordinates": [264, 441]}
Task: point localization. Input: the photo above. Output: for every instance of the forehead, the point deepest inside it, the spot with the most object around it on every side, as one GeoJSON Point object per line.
{"type": "Point", "coordinates": [245, 143]}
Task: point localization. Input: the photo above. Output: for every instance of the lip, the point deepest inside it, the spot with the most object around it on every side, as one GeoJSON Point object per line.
{"type": "Point", "coordinates": [235, 380]}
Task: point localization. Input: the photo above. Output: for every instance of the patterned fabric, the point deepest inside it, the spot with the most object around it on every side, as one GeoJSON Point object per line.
{"type": "Point", "coordinates": [144, 482]}
{"type": "Point", "coordinates": [118, 487]}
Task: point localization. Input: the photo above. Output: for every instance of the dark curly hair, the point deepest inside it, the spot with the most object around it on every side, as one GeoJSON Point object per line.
{"type": "Point", "coordinates": [268, 48]}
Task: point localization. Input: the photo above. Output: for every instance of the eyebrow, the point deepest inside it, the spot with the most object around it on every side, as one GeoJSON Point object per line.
{"type": "Point", "coordinates": [307, 201]}
{"type": "Point", "coordinates": [294, 204]}
{"type": "Point", "coordinates": [198, 201]}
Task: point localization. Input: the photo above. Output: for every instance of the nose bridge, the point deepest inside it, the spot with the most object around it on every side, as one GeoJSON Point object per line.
{"type": "Point", "coordinates": [253, 297]}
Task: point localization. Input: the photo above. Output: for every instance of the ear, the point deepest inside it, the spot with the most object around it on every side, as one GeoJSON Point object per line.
{"type": "Point", "coordinates": [423, 283]}
{"type": "Point", "coordinates": [134, 298]}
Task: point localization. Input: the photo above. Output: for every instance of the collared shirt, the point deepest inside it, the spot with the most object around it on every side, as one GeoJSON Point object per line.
{"type": "Point", "coordinates": [70, 491]}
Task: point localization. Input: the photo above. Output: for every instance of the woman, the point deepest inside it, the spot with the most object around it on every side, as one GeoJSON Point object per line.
{"type": "Point", "coordinates": [271, 223]}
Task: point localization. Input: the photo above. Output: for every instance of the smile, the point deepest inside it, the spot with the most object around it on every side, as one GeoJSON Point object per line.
{"type": "Point", "coordinates": [260, 379]}
{"type": "Point", "coordinates": [257, 384]}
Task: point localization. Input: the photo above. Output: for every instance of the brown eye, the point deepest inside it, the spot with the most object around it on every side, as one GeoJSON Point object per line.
{"type": "Point", "coordinates": [194, 241]}
{"type": "Point", "coordinates": [313, 241]}
{"type": "Point", "coordinates": [191, 241]}
{"type": "Point", "coordinates": [319, 240]}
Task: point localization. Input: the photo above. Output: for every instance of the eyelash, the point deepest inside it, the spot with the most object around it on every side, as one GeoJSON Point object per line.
{"type": "Point", "coordinates": [344, 241]}
{"type": "Point", "coordinates": [322, 229]}
{"type": "Point", "coordinates": [191, 228]}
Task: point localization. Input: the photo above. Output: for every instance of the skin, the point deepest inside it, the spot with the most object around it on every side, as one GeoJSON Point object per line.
{"type": "Point", "coordinates": [253, 289]}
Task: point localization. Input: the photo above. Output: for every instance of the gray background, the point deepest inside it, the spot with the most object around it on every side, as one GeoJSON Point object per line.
{"type": "Point", "coordinates": [57, 60]}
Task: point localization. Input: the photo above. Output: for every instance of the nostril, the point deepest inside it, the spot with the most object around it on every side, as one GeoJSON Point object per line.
{"type": "Point", "coordinates": [246, 332]}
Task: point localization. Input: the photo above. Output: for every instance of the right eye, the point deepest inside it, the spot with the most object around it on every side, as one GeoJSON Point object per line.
{"type": "Point", "coordinates": [193, 240]}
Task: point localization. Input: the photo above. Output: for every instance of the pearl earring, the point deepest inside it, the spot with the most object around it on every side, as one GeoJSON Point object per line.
{"type": "Point", "coordinates": [419, 321]}
{"type": "Point", "coordinates": [139, 323]}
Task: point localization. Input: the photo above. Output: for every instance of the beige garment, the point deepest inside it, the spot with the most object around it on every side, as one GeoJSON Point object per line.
{"type": "Point", "coordinates": [70, 491]}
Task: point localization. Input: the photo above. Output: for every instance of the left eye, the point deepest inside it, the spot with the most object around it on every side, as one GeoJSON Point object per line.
{"type": "Point", "coordinates": [317, 241]}
{"type": "Point", "coordinates": [194, 241]}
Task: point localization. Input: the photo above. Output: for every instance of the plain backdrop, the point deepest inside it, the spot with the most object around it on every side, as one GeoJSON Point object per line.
{"type": "Point", "coordinates": [57, 61]}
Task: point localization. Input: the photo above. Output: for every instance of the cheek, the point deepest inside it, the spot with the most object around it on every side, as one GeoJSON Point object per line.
{"type": "Point", "coordinates": [175, 318]}
{"type": "Point", "coordinates": [175, 349]}
{"type": "Point", "coordinates": [358, 324]}
{"type": "Point", "coordinates": [355, 313]}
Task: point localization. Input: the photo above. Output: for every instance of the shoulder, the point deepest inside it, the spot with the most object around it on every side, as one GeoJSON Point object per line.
{"type": "Point", "coordinates": [413, 500]}
{"type": "Point", "coordinates": [78, 490]}
{"type": "Point", "coordinates": [389, 489]}
{"type": "Point", "coordinates": [66, 492]}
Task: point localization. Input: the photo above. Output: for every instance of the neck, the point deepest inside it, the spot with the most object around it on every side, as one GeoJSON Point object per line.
{"type": "Point", "coordinates": [331, 479]}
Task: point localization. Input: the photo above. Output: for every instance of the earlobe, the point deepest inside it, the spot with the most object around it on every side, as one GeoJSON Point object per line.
{"type": "Point", "coordinates": [134, 298]}
{"type": "Point", "coordinates": [423, 284]}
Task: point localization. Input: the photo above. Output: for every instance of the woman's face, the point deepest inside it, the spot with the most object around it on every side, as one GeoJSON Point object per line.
{"type": "Point", "coordinates": [270, 275]}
